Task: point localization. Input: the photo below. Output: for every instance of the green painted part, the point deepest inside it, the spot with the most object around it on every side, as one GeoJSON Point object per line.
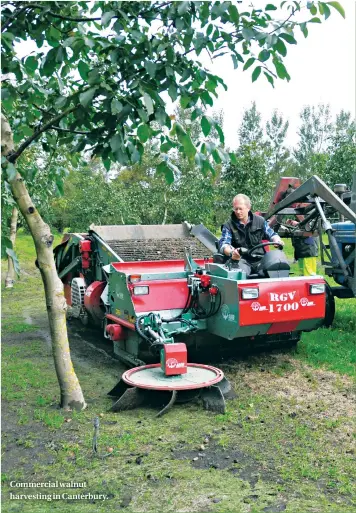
{"type": "Point", "coordinates": [104, 255]}
{"type": "Point", "coordinates": [67, 255]}
{"type": "Point", "coordinates": [163, 276]}
{"type": "Point", "coordinates": [223, 272]}
{"type": "Point", "coordinates": [310, 324]}
{"type": "Point", "coordinates": [119, 297]}
{"type": "Point", "coordinates": [130, 345]}
{"type": "Point", "coordinates": [161, 359]}
{"type": "Point", "coordinates": [178, 327]}
{"type": "Point", "coordinates": [71, 267]}
{"type": "Point", "coordinates": [225, 322]}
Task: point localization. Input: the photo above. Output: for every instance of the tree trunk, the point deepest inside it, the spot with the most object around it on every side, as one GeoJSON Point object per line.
{"type": "Point", "coordinates": [71, 393]}
{"type": "Point", "coordinates": [165, 209]}
{"type": "Point", "coordinates": [10, 276]}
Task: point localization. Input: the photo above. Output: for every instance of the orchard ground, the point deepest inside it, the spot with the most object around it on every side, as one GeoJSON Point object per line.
{"type": "Point", "coordinates": [286, 443]}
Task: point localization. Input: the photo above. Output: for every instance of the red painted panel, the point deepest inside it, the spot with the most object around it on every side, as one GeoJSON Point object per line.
{"type": "Point", "coordinates": [127, 324]}
{"type": "Point", "coordinates": [159, 266]}
{"type": "Point", "coordinates": [281, 301]}
{"type": "Point", "coordinates": [92, 298]}
{"type": "Point", "coordinates": [68, 293]}
{"type": "Point", "coordinates": [163, 295]}
{"type": "Point", "coordinates": [282, 327]}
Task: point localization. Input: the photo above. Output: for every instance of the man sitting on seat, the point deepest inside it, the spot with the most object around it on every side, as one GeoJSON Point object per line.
{"type": "Point", "coordinates": [245, 230]}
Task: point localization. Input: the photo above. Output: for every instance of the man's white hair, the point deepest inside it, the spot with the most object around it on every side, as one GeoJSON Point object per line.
{"type": "Point", "coordinates": [243, 197]}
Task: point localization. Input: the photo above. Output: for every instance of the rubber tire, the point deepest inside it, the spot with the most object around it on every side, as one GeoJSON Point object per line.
{"type": "Point", "coordinates": [329, 307]}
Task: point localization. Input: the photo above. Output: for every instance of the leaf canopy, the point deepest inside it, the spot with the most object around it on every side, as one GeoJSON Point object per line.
{"type": "Point", "coordinates": [100, 70]}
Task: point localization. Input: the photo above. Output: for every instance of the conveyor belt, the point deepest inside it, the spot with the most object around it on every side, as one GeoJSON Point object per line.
{"type": "Point", "coordinates": [157, 249]}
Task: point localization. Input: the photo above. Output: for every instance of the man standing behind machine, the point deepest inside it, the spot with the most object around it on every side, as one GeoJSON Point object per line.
{"type": "Point", "coordinates": [305, 253]}
{"type": "Point", "coordinates": [245, 230]}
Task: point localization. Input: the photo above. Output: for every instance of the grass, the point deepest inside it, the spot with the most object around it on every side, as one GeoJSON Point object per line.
{"type": "Point", "coordinates": [285, 440]}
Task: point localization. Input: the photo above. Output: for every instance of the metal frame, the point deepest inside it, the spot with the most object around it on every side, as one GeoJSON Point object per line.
{"type": "Point", "coordinates": [318, 195]}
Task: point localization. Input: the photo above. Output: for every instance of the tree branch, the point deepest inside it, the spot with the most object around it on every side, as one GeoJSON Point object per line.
{"type": "Point", "coordinates": [12, 157]}
{"type": "Point", "coordinates": [60, 16]}
{"type": "Point", "coordinates": [59, 129]}
{"type": "Point", "coordinates": [65, 18]}
{"type": "Point", "coordinates": [284, 22]}
{"type": "Point", "coordinates": [51, 157]}
{"type": "Point", "coordinates": [14, 15]}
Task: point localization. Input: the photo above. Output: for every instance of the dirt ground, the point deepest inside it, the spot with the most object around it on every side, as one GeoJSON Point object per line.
{"type": "Point", "coordinates": [246, 446]}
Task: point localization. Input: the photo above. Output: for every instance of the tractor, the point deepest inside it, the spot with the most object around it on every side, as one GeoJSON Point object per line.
{"type": "Point", "coordinates": [154, 305]}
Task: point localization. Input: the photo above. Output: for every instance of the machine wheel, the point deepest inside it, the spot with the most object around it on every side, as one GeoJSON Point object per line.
{"type": "Point", "coordinates": [329, 307]}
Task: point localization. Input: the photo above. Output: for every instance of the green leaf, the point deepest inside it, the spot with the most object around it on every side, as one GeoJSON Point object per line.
{"type": "Point", "coordinates": [60, 102]}
{"type": "Point", "coordinates": [264, 55]}
{"type": "Point", "coordinates": [248, 33]}
{"type": "Point", "coordinates": [60, 186]}
{"type": "Point", "coordinates": [83, 69]}
{"type": "Point", "coordinates": [303, 28]}
{"type": "Point", "coordinates": [148, 102]}
{"type": "Point", "coordinates": [220, 133]}
{"type": "Point", "coordinates": [31, 63]}
{"type": "Point", "coordinates": [249, 63]}
{"type": "Point", "coordinates": [151, 68]}
{"type": "Point", "coordinates": [172, 91]}
{"type": "Point", "coordinates": [216, 156]}
{"type": "Point", "coordinates": [314, 20]}
{"type": "Point", "coordinates": [326, 10]}
{"type": "Point", "coordinates": [164, 169]}
{"type": "Point", "coordinates": [280, 69]}
{"type": "Point", "coordinates": [107, 164]}
{"type": "Point", "coordinates": [54, 33]}
{"type": "Point", "coordinates": [234, 60]}
{"type": "Point", "coordinates": [161, 116]}
{"type": "Point", "coordinates": [5, 243]}
{"type": "Point", "coordinates": [206, 98]}
{"type": "Point", "coordinates": [184, 101]}
{"type": "Point", "coordinates": [256, 73]}
{"type": "Point", "coordinates": [269, 78]}
{"type": "Point", "coordinates": [287, 37]}
{"type": "Point", "coordinates": [69, 41]}
{"type": "Point", "coordinates": [106, 17]}
{"type": "Point", "coordinates": [116, 143]}
{"type": "Point", "coordinates": [183, 7]}
{"type": "Point", "coordinates": [338, 7]}
{"type": "Point", "coordinates": [87, 97]}
{"type": "Point", "coordinates": [94, 76]}
{"type": "Point", "coordinates": [116, 106]}
{"type": "Point", "coordinates": [233, 158]}
{"type": "Point", "coordinates": [185, 140]}
{"type": "Point", "coordinates": [313, 10]}
{"type": "Point", "coordinates": [10, 171]}
{"type": "Point", "coordinates": [270, 7]}
{"type": "Point", "coordinates": [205, 125]}
{"type": "Point", "coordinates": [15, 261]}
{"type": "Point", "coordinates": [143, 133]}
{"type": "Point", "coordinates": [234, 14]}
{"type": "Point", "coordinates": [208, 167]}
{"type": "Point", "coordinates": [27, 131]}
{"type": "Point", "coordinates": [280, 47]}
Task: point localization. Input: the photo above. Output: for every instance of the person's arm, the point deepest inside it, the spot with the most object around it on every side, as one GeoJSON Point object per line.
{"type": "Point", "coordinates": [271, 235]}
{"type": "Point", "coordinates": [225, 244]}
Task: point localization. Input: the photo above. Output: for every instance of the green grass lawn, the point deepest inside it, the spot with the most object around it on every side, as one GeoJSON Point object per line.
{"type": "Point", "coordinates": [286, 443]}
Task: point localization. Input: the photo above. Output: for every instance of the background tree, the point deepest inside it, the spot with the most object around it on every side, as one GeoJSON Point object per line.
{"type": "Point", "coordinates": [249, 172]}
{"type": "Point", "coordinates": [313, 132]}
{"type": "Point", "coordinates": [250, 131]}
{"type": "Point", "coordinates": [342, 151]}
{"type": "Point", "coordinates": [279, 154]}
{"type": "Point", "coordinates": [127, 54]}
